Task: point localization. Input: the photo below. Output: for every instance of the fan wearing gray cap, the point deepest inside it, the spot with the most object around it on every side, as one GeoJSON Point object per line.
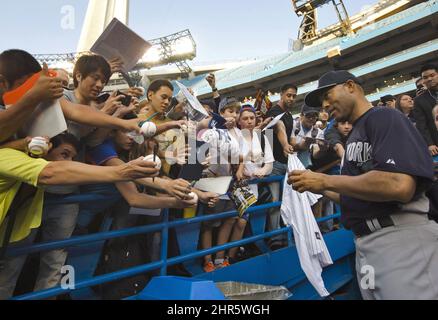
{"type": "Point", "coordinates": [385, 173]}
{"type": "Point", "coordinates": [305, 134]}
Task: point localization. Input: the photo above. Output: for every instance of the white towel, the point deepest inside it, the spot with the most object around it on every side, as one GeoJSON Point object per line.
{"type": "Point", "coordinates": [297, 213]}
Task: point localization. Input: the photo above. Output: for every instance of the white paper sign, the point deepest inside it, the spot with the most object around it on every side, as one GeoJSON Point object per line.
{"type": "Point", "coordinates": [219, 185]}
{"type": "Point", "coordinates": [274, 121]}
{"type": "Point", "coordinates": [196, 111]}
{"type": "Point", "coordinates": [47, 121]}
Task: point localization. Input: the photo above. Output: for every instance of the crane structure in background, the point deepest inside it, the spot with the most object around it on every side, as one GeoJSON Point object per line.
{"type": "Point", "coordinates": [308, 31]}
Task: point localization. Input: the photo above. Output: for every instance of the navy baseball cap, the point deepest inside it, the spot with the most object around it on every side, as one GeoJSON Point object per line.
{"type": "Point", "coordinates": [387, 98]}
{"type": "Point", "coordinates": [247, 107]}
{"type": "Point", "coordinates": [325, 83]}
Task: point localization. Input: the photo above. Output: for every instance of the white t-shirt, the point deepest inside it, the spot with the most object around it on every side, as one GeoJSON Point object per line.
{"type": "Point", "coordinates": [80, 131]}
{"type": "Point", "coordinates": [254, 157]}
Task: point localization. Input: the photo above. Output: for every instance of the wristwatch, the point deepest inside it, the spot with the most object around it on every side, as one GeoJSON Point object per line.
{"type": "Point", "coordinates": [214, 89]}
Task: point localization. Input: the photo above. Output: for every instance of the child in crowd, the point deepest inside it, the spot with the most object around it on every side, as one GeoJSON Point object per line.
{"type": "Point", "coordinates": [225, 159]}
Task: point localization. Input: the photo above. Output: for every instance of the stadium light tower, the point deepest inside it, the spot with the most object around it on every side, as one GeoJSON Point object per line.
{"type": "Point", "coordinates": [308, 31]}
{"type": "Point", "coordinates": [99, 15]}
{"type": "Point", "coordinates": [176, 48]}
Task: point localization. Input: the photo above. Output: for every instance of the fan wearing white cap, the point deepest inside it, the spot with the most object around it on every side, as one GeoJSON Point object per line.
{"type": "Point", "coordinates": [306, 135]}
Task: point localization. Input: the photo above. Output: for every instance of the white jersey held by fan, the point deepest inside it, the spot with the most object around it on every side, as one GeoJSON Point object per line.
{"type": "Point", "coordinates": [297, 213]}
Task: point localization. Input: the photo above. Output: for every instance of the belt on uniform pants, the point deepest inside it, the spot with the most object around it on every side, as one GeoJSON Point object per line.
{"type": "Point", "coordinates": [369, 226]}
{"type": "Point", "coordinates": [372, 225]}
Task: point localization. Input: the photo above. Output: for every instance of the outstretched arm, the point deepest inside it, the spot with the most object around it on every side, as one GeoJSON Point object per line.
{"type": "Point", "coordinates": [377, 186]}
{"type": "Point", "coordinates": [19, 145]}
{"type": "Point", "coordinates": [76, 173]}
{"type": "Point", "coordinates": [140, 200]}
{"type": "Point", "coordinates": [280, 131]}
{"type": "Point", "coordinates": [91, 117]}
{"type": "Point", "coordinates": [179, 188]}
{"type": "Point", "coordinates": [170, 125]}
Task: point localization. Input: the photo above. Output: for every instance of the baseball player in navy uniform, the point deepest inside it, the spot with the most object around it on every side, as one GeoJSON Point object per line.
{"type": "Point", "coordinates": [385, 173]}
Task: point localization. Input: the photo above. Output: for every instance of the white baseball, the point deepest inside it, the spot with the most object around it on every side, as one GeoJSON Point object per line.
{"type": "Point", "coordinates": [38, 146]}
{"type": "Point", "coordinates": [194, 197]}
{"type": "Point", "coordinates": [157, 161]}
{"type": "Point", "coordinates": [148, 129]}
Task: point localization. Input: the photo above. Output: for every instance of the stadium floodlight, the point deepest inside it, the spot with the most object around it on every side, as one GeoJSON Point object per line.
{"type": "Point", "coordinates": [183, 46]}
{"type": "Point", "coordinates": [152, 56]}
{"type": "Point", "coordinates": [176, 48]}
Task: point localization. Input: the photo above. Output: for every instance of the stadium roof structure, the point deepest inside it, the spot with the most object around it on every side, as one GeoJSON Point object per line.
{"type": "Point", "coordinates": [391, 40]}
{"type": "Point", "coordinates": [385, 54]}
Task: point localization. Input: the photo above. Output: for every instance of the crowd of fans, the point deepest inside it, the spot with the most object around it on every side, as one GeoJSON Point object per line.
{"type": "Point", "coordinates": [104, 144]}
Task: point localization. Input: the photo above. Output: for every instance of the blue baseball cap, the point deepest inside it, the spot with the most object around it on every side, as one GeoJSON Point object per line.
{"type": "Point", "coordinates": [247, 107]}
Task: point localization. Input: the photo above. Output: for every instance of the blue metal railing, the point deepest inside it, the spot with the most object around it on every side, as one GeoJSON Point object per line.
{"type": "Point", "coordinates": [164, 227]}
{"type": "Point", "coordinates": [164, 261]}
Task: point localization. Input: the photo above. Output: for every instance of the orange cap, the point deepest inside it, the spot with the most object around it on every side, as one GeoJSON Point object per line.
{"type": "Point", "coordinates": [12, 97]}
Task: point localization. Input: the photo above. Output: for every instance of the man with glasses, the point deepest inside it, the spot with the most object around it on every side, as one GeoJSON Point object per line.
{"type": "Point", "coordinates": [305, 134]}
{"type": "Point", "coordinates": [423, 106]}
{"type": "Point", "coordinates": [385, 173]}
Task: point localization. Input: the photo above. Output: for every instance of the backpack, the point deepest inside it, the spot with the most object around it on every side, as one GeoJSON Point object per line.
{"type": "Point", "coordinates": [123, 253]}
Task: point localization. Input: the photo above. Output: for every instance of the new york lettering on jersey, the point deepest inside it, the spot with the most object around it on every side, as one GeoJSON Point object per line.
{"type": "Point", "coordinates": [373, 144]}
